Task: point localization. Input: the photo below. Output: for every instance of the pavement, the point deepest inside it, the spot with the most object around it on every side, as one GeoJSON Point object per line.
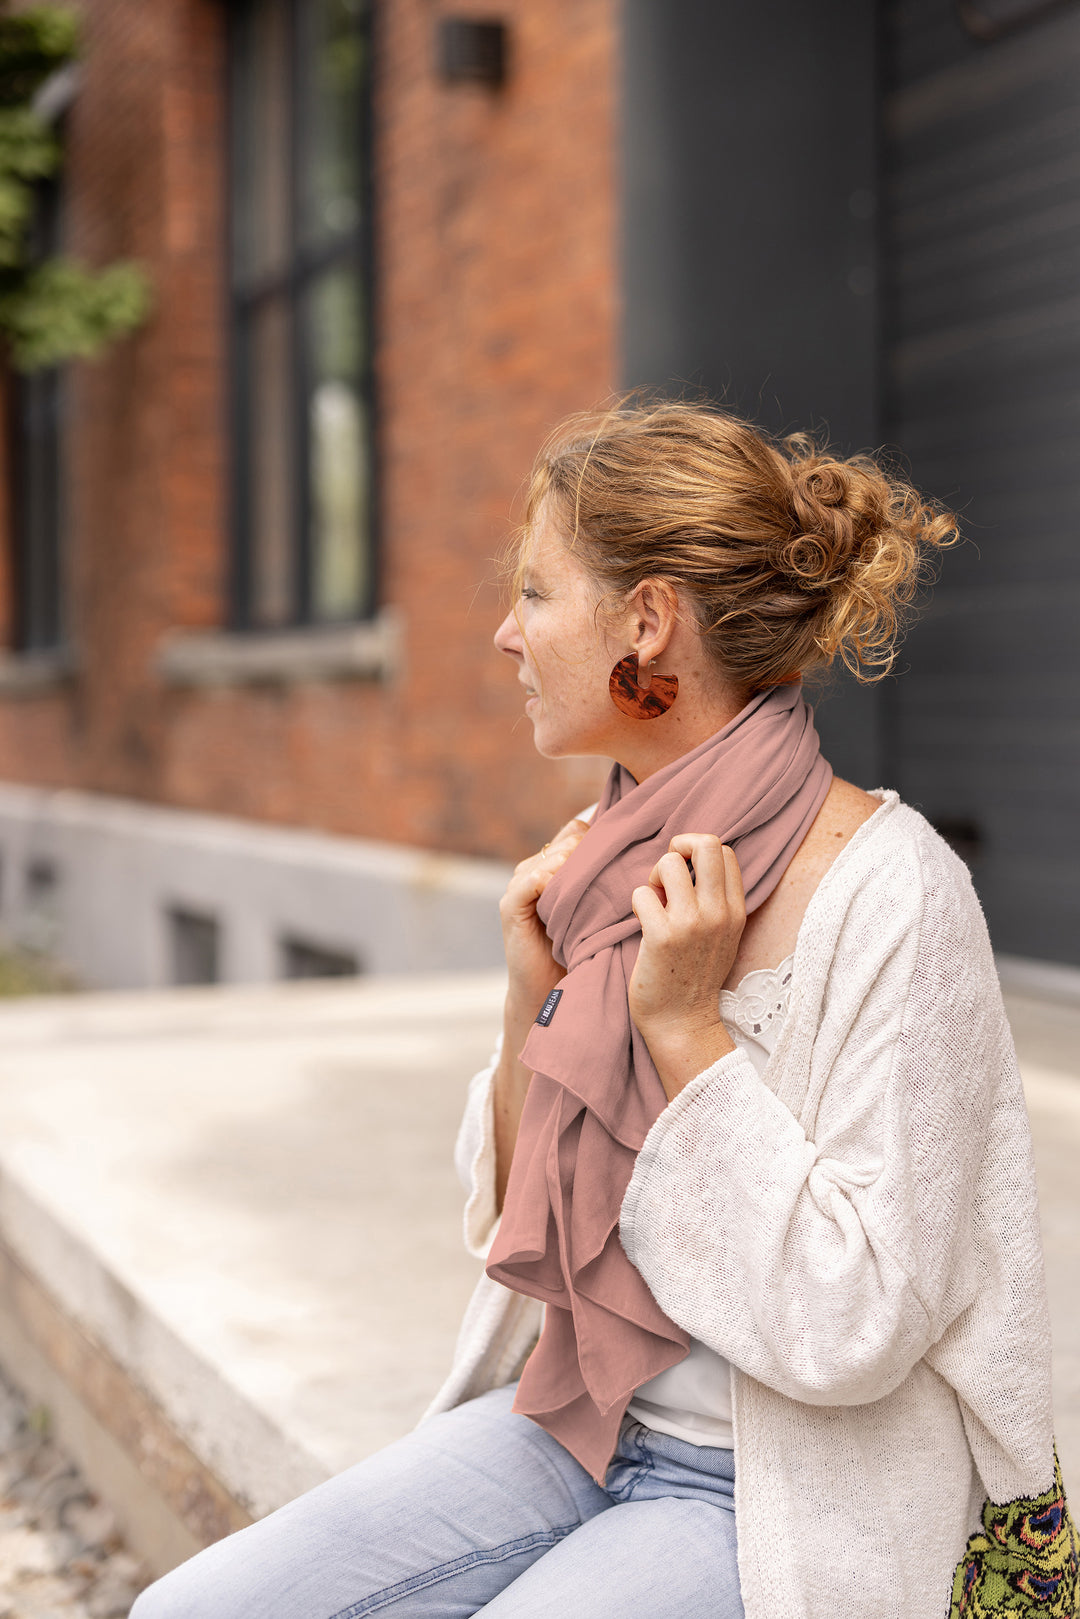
{"type": "Point", "coordinates": [61, 1555]}
{"type": "Point", "coordinates": [230, 1257]}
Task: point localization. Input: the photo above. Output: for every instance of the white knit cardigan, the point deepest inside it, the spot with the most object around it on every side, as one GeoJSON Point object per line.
{"type": "Point", "coordinates": [857, 1232]}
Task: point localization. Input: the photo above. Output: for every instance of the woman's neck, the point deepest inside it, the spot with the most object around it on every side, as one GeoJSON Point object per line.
{"type": "Point", "coordinates": [654, 744]}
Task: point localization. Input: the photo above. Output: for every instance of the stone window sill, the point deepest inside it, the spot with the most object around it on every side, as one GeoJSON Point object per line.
{"type": "Point", "coordinates": [368, 651]}
{"type": "Point", "coordinates": [28, 674]}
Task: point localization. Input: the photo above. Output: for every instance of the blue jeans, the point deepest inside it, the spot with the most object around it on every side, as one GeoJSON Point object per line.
{"type": "Point", "coordinates": [481, 1511]}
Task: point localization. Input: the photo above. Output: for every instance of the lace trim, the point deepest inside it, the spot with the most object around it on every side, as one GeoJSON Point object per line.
{"type": "Point", "coordinates": [758, 998]}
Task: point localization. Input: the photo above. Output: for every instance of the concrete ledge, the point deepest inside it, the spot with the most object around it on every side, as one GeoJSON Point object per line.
{"type": "Point", "coordinates": [369, 651]}
{"type": "Point", "coordinates": [214, 1457]}
{"type": "Point", "coordinates": [230, 1250]}
{"type": "Point", "coordinates": [1039, 980]}
{"type": "Point", "coordinates": [166, 1501]}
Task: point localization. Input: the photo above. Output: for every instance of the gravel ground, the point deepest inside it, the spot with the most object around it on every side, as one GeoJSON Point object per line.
{"type": "Point", "coordinates": [61, 1556]}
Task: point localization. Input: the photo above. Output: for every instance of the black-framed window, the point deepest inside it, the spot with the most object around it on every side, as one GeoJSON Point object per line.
{"type": "Point", "coordinates": [301, 311]}
{"type": "Point", "coordinates": [38, 470]}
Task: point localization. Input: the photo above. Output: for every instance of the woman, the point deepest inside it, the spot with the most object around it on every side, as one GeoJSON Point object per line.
{"type": "Point", "coordinates": [763, 1327]}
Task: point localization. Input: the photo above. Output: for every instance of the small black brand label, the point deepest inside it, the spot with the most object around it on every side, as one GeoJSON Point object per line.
{"type": "Point", "coordinates": [547, 1011]}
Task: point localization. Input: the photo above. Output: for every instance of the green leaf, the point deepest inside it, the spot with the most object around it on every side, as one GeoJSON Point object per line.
{"type": "Point", "coordinates": [28, 152]}
{"type": "Point", "coordinates": [27, 146]}
{"type": "Point", "coordinates": [57, 310]}
{"type": "Point", "coordinates": [61, 310]}
{"type": "Point", "coordinates": [33, 44]}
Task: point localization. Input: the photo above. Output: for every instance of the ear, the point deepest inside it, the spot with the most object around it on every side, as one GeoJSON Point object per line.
{"type": "Point", "coordinates": [653, 611]}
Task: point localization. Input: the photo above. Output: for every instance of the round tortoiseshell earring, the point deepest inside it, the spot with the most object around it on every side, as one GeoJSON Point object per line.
{"type": "Point", "coordinates": [641, 702]}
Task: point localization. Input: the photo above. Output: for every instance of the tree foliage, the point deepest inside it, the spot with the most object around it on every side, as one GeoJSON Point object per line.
{"type": "Point", "coordinates": [51, 309]}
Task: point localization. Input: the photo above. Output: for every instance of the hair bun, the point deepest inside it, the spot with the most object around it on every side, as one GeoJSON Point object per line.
{"type": "Point", "coordinates": [824, 482]}
{"type": "Point", "coordinates": [835, 509]}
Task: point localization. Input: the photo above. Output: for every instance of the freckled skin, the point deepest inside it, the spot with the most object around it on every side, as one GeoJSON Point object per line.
{"type": "Point", "coordinates": [565, 642]}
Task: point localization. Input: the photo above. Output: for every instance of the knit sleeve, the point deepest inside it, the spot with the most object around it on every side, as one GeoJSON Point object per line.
{"type": "Point", "coordinates": [474, 1159]}
{"type": "Point", "coordinates": [819, 1234]}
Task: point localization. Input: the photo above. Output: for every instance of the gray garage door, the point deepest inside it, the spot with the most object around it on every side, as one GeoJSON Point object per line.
{"type": "Point", "coordinates": [757, 140]}
{"type": "Point", "coordinates": [982, 310]}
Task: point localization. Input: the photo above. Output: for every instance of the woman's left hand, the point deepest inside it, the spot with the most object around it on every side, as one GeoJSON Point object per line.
{"type": "Point", "coordinates": [690, 933]}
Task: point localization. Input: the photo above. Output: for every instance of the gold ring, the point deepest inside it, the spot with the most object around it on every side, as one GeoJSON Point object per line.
{"type": "Point", "coordinates": [544, 850]}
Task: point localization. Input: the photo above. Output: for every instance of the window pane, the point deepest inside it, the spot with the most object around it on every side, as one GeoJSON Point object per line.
{"type": "Point", "coordinates": [195, 947]}
{"type": "Point", "coordinates": [271, 474]}
{"type": "Point", "coordinates": [332, 56]}
{"type": "Point", "coordinates": [338, 447]}
{"type": "Point", "coordinates": [261, 171]}
{"type": "Point", "coordinates": [299, 87]}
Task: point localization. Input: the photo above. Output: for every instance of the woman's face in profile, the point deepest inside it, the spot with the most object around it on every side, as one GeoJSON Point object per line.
{"type": "Point", "coordinates": [557, 638]}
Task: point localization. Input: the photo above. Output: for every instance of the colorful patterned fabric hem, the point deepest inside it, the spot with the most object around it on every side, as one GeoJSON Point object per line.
{"type": "Point", "coordinates": [1025, 1562]}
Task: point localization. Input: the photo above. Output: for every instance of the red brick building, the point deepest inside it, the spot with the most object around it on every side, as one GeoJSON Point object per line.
{"type": "Point", "coordinates": [496, 307]}
{"type": "Point", "coordinates": [248, 568]}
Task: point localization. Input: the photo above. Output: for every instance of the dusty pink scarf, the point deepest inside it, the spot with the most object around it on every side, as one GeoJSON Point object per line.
{"type": "Point", "coordinates": [595, 1093]}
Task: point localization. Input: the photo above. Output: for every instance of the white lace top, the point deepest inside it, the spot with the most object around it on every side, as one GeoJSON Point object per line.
{"type": "Point", "coordinates": [692, 1400]}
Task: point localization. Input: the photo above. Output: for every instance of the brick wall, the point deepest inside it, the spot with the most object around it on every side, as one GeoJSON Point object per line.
{"type": "Point", "coordinates": [496, 315]}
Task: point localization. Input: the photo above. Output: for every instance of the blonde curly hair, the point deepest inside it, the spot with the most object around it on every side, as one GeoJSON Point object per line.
{"type": "Point", "coordinates": [791, 556]}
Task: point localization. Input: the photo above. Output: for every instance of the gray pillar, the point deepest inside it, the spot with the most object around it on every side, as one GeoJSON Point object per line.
{"type": "Point", "coordinates": [749, 240]}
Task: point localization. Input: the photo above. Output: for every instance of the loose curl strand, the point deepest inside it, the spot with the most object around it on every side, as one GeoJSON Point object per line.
{"type": "Point", "coordinates": [790, 556]}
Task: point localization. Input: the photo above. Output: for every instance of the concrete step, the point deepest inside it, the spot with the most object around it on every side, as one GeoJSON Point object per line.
{"type": "Point", "coordinates": [230, 1261]}
{"type": "Point", "coordinates": [230, 1257]}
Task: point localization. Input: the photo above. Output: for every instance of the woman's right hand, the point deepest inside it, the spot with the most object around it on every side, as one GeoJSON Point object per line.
{"type": "Point", "coordinates": [533, 970]}
{"type": "Point", "coordinates": [534, 973]}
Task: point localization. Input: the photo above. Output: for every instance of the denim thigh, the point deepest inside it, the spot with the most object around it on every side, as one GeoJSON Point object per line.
{"type": "Point", "coordinates": [666, 1548]}
{"type": "Point", "coordinates": [479, 1510]}
{"type": "Point", "coordinates": [434, 1525]}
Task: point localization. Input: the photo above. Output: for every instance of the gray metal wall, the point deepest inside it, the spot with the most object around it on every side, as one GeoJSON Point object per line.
{"type": "Point", "coordinates": [752, 158]}
{"type": "Point", "coordinates": [749, 246]}
{"type": "Point", "coordinates": [982, 156]}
